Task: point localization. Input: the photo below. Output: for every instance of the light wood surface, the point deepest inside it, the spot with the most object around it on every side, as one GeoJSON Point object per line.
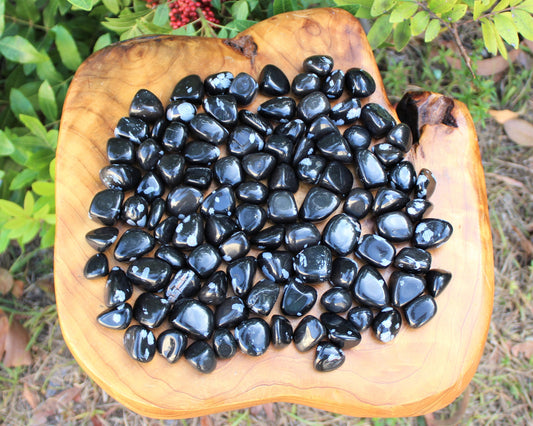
{"type": "Point", "coordinates": [419, 372]}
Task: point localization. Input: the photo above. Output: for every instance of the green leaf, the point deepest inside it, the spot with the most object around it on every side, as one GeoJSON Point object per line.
{"type": "Point", "coordinates": [419, 22]}
{"type": "Point", "coordinates": [82, 4]}
{"type": "Point", "coordinates": [380, 31]}
{"type": "Point", "coordinates": [112, 5]}
{"type": "Point", "coordinates": [481, 6]}
{"type": "Point", "coordinates": [402, 35]}
{"type": "Point", "coordinates": [281, 6]}
{"type": "Point", "coordinates": [161, 17]}
{"type": "Point", "coordinates": [52, 169]}
{"type": "Point", "coordinates": [506, 28]}
{"type": "Point", "coordinates": [524, 23]}
{"type": "Point", "coordinates": [34, 125]}
{"type": "Point", "coordinates": [43, 188]}
{"type": "Point", "coordinates": [102, 41]}
{"type": "Point", "coordinates": [20, 104]}
{"type": "Point", "coordinates": [11, 208]}
{"type": "Point", "coordinates": [47, 71]}
{"type": "Point", "coordinates": [502, 4]}
{"type": "Point", "coordinates": [379, 7]}
{"type": "Point", "coordinates": [526, 5]}
{"type": "Point", "coordinates": [403, 11]}
{"type": "Point", "coordinates": [489, 36]}
{"type": "Point", "coordinates": [240, 10]}
{"type": "Point", "coordinates": [30, 232]}
{"type": "Point", "coordinates": [18, 49]}
{"type": "Point", "coordinates": [432, 31]}
{"type": "Point", "coordinates": [239, 25]}
{"type": "Point", "coordinates": [47, 101]}
{"type": "Point", "coordinates": [441, 6]}
{"type": "Point", "coordinates": [47, 239]}
{"type": "Point", "coordinates": [457, 12]}
{"type": "Point", "coordinates": [29, 202]}
{"type": "Point", "coordinates": [23, 179]}
{"type": "Point", "coordinates": [6, 146]}
{"type": "Point", "coordinates": [2, 18]}
{"type": "Point", "coordinates": [501, 45]}
{"type": "Point", "coordinates": [68, 51]}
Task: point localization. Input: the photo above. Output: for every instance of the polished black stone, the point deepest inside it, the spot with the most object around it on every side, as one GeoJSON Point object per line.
{"type": "Point", "coordinates": [120, 176]}
{"type": "Point", "coordinates": [97, 266]}
{"type": "Point", "coordinates": [293, 129]}
{"type": "Point", "coordinates": [133, 244]}
{"type": "Point", "coordinates": [171, 255]}
{"type": "Point", "coordinates": [220, 201]}
{"type": "Point", "coordinates": [341, 234]}
{"type": "Point", "coordinates": [175, 136]}
{"type": "Point", "coordinates": [208, 129]}
{"type": "Point", "coordinates": [377, 120]}
{"type": "Point", "coordinates": [361, 317]}
{"type": "Point", "coordinates": [147, 106]}
{"type": "Point", "coordinates": [412, 259]}
{"type": "Point", "coordinates": [437, 280]}
{"type": "Point", "coordinates": [328, 357]}
{"type": "Point", "coordinates": [150, 310]}
{"type": "Point", "coordinates": [116, 318]}
{"type": "Point", "coordinates": [346, 112]}
{"type": "Point", "coordinates": [369, 169]}
{"type": "Point", "coordinates": [255, 121]}
{"type": "Point", "coordinates": [321, 65]}
{"type": "Point", "coordinates": [340, 331]}
{"type": "Point", "coordinates": [228, 171]}
{"type": "Point", "coordinates": [276, 265]}
{"type": "Point", "coordinates": [204, 260]}
{"type": "Point", "coordinates": [333, 84]}
{"type": "Point", "coordinates": [243, 88]}
{"type": "Point", "coordinates": [403, 177]}
{"type": "Point", "coordinates": [185, 283]}
{"type": "Point", "coordinates": [318, 204]}
{"type": "Point", "coordinates": [258, 165]}
{"type": "Point", "coordinates": [234, 247]}
{"type": "Point", "coordinates": [139, 343]}
{"type": "Point", "coordinates": [395, 226]}
{"type": "Point", "coordinates": [171, 168]}
{"type": "Point", "coordinates": [283, 178]}
{"type": "Point", "coordinates": [376, 250]}
{"type": "Point", "coordinates": [313, 264]}
{"type": "Point", "coordinates": [309, 169]}
{"type": "Point", "coordinates": [431, 233]}
{"type": "Point", "coordinates": [358, 203]}
{"type": "Point", "coordinates": [301, 235]}
{"type": "Point", "coordinates": [334, 147]}
{"type": "Point", "coordinates": [337, 178]}
{"type": "Point", "coordinates": [171, 344]}
{"type": "Point", "coordinates": [425, 184]}
{"type": "Point", "coordinates": [120, 151]}
{"type": "Point", "coordinates": [298, 298]}
{"type": "Point", "coordinates": [386, 324]}
{"type": "Point", "coordinates": [118, 288]}
{"type": "Point", "coordinates": [230, 312]}
{"type": "Point", "coordinates": [102, 238]}
{"type": "Point", "coordinates": [183, 201]}
{"type": "Point", "coordinates": [273, 82]}
{"type": "Point", "coordinates": [420, 311]}
{"type": "Point", "coordinates": [358, 137]}
{"type": "Point", "coordinates": [192, 317]}
{"type": "Point", "coordinates": [250, 218]}
{"type": "Point", "coordinates": [388, 200]}
{"type": "Point", "coordinates": [359, 83]}
{"type": "Point", "coordinates": [321, 127]}
{"type": "Point", "coordinates": [159, 128]}
{"type": "Point", "coordinates": [404, 287]}
{"type": "Point", "coordinates": [312, 106]}
{"type": "Point", "coordinates": [305, 83]}
{"type": "Point", "coordinates": [189, 232]}
{"type": "Point", "coordinates": [401, 137]}
{"type": "Point", "coordinates": [281, 331]}
{"type": "Point", "coordinates": [148, 154]}
{"type": "Point", "coordinates": [308, 333]}
{"type": "Point", "coordinates": [416, 208]}
{"type": "Point", "coordinates": [149, 273]}
{"type": "Point", "coordinates": [253, 336]}
{"type": "Point", "coordinates": [388, 154]}
{"type": "Point", "coordinates": [281, 108]}
{"type": "Point", "coordinates": [157, 209]}
{"type": "Point", "coordinates": [281, 207]}
{"type": "Point", "coordinates": [304, 148]}
{"type": "Point", "coordinates": [369, 288]}
{"type": "Point", "coordinates": [201, 356]}
{"type": "Point", "coordinates": [343, 272]}
{"type": "Point", "coordinates": [252, 192]}
{"type": "Point", "coordinates": [244, 140]}
{"type": "Point", "coordinates": [224, 343]}
{"type": "Point", "coordinates": [189, 88]}
{"type": "Point", "coordinates": [150, 187]}
{"type": "Point", "coordinates": [269, 238]}
{"type": "Point", "coordinates": [164, 232]}
{"type": "Point", "coordinates": [132, 128]}
{"type": "Point", "coordinates": [201, 153]}
{"type": "Point", "coordinates": [280, 147]}
{"type": "Point", "coordinates": [262, 297]}
{"type": "Point", "coordinates": [183, 111]}
{"type": "Point", "coordinates": [218, 227]}
{"type": "Point", "coordinates": [336, 300]}
{"type": "Point", "coordinates": [213, 291]}
{"type": "Point", "coordinates": [218, 83]}
{"type": "Point", "coordinates": [198, 177]}
{"type": "Point", "coordinates": [241, 274]}
{"type": "Point", "coordinates": [223, 108]}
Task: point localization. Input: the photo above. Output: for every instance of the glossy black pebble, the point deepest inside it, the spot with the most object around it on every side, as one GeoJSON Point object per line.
{"type": "Point", "coordinates": [183, 111]}
{"type": "Point", "coordinates": [334, 147]}
{"type": "Point", "coordinates": [318, 204]}
{"type": "Point", "coordinates": [328, 357]}
{"type": "Point", "coordinates": [241, 274]}
{"type": "Point", "coordinates": [175, 136]}
{"type": "Point", "coordinates": [218, 83]}
{"type": "Point", "coordinates": [171, 344]}
{"type": "Point", "coordinates": [150, 187]}
{"type": "Point", "coordinates": [341, 234]}
{"type": "Point", "coordinates": [236, 246]}
{"type": "Point", "coordinates": [228, 171]}
{"type": "Point", "coordinates": [132, 128]}
{"type": "Point", "coordinates": [377, 120]}
{"type": "Point", "coordinates": [361, 317]}
{"type": "Point", "coordinates": [358, 137]}
{"type": "Point", "coordinates": [269, 238]}
{"type": "Point", "coordinates": [425, 184]}
{"type": "Point", "coordinates": [404, 287]}
{"type": "Point", "coordinates": [189, 232]}
{"type": "Point", "coordinates": [369, 169]}
{"type": "Point", "coordinates": [298, 298]}
{"type": "Point", "coordinates": [116, 318]}
{"type": "Point", "coordinates": [213, 291]}
{"type": "Point", "coordinates": [185, 283]}
{"type": "Point", "coordinates": [255, 121]}
{"type": "Point", "coordinates": [333, 84]}
{"type": "Point", "coordinates": [157, 209]}
{"type": "Point", "coordinates": [258, 165]}
{"type": "Point", "coordinates": [359, 83]}
{"type": "Point", "coordinates": [388, 200]}
{"type": "Point", "coordinates": [171, 168]}
{"type": "Point", "coordinates": [293, 129]}
{"type": "Point", "coordinates": [308, 333]}
{"type": "Point", "coordinates": [120, 176]}
{"type": "Point", "coordinates": [343, 272]}
{"type": "Point", "coordinates": [135, 211]}
{"type": "Point", "coordinates": [388, 154]}
{"type": "Point", "coordinates": [230, 312]}
{"type": "Point", "coordinates": [243, 88]}
{"type": "Point", "coordinates": [192, 317]}
{"type": "Point", "coordinates": [133, 244]}
{"type": "Point", "coordinates": [313, 264]}
{"type": "Point", "coordinates": [204, 260]}
{"type": "Point", "coordinates": [301, 235]}
{"type": "Point", "coordinates": [120, 151]}
{"type": "Point", "coordinates": [218, 227]}
{"type": "Point", "coordinates": [150, 310]}
{"type": "Point", "coordinates": [305, 83]}
{"type": "Point", "coordinates": [281, 108]}
{"type": "Point", "coordinates": [386, 324]}
{"type": "Point", "coordinates": [321, 65]}
{"type": "Point", "coordinates": [139, 343]}
{"type": "Point", "coordinates": [430, 233]}
{"type": "Point", "coordinates": [97, 266]}
{"type": "Point", "coordinates": [276, 265]}
{"type": "Point", "coordinates": [281, 207]}
{"type": "Point", "coordinates": [420, 311]}
{"type": "Point", "coordinates": [101, 238]}
{"type": "Point", "coordinates": [401, 137]}
{"type": "Point", "coordinates": [118, 287]}
{"type": "Point", "coordinates": [148, 154]}
{"type": "Point", "coordinates": [253, 336]}
{"type": "Point", "coordinates": [395, 226]}
{"type": "Point", "coordinates": [147, 106]}
{"type": "Point", "coordinates": [189, 88]}
{"type": "Point", "coordinates": [252, 192]}
{"type": "Point", "coordinates": [149, 273]}
{"type": "Point", "coordinates": [336, 300]}
{"type": "Point", "coordinates": [336, 177]}
{"type": "Point", "coordinates": [346, 112]}
{"type": "Point", "coordinates": [224, 343]}
{"type": "Point", "coordinates": [312, 106]}
{"type": "Point", "coordinates": [281, 331]}
{"type": "Point", "coordinates": [250, 217]}
{"type": "Point", "coordinates": [183, 201]}
{"type": "Point", "coordinates": [310, 168]}
{"type": "Point", "coordinates": [201, 356]}
{"type": "Point", "coordinates": [262, 297]}
{"type": "Point", "coordinates": [244, 140]}
{"type": "Point", "coordinates": [340, 331]}
{"type": "Point", "coordinates": [174, 257]}
{"type": "Point", "coordinates": [403, 177]}
{"type": "Point", "coordinates": [208, 129]}
{"type": "Point", "coordinates": [358, 203]}
{"type": "Point", "coordinates": [369, 288]}
{"type": "Point", "coordinates": [199, 177]}
{"type": "Point", "coordinates": [416, 208]}
{"type": "Point", "coordinates": [412, 259]}
{"type": "Point", "coordinates": [437, 280]}
{"type": "Point", "coordinates": [223, 108]}
{"type": "Point", "coordinates": [220, 201]}
{"type": "Point", "coordinates": [376, 250]}
{"type": "Point", "coordinates": [105, 206]}
{"type": "Point", "coordinates": [200, 153]}
{"type": "Point", "coordinates": [284, 178]}
{"type": "Point", "coordinates": [273, 82]}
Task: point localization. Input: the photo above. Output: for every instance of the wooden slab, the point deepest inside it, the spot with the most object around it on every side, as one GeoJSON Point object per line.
{"type": "Point", "coordinates": [419, 372]}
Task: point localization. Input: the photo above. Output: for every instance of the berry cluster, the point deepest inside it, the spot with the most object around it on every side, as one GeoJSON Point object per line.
{"type": "Point", "coordinates": [183, 12]}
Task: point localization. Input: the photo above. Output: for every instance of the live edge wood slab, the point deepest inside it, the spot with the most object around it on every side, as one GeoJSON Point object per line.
{"type": "Point", "coordinates": [419, 372]}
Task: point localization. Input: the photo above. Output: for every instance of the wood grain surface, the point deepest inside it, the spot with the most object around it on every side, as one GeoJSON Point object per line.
{"type": "Point", "coordinates": [419, 372]}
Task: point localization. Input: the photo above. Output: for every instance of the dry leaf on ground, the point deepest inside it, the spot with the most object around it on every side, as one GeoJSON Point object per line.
{"type": "Point", "coordinates": [501, 116]}
{"type": "Point", "coordinates": [18, 288]}
{"type": "Point", "coordinates": [206, 421]}
{"type": "Point", "coordinates": [525, 242]}
{"type": "Point", "coordinates": [6, 281]}
{"type": "Point", "coordinates": [30, 396]}
{"type": "Point", "coordinates": [54, 405]}
{"type": "Point", "coordinates": [14, 348]}
{"type": "Point", "coordinates": [508, 180]}
{"type": "Point", "coordinates": [525, 348]}
{"type": "Point", "coordinates": [519, 131]}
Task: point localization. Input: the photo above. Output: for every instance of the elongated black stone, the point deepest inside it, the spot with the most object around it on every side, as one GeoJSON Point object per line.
{"type": "Point", "coordinates": [149, 273]}
{"type": "Point", "coordinates": [281, 331]}
{"type": "Point", "coordinates": [425, 184]}
{"type": "Point", "coordinates": [400, 136]}
{"type": "Point", "coordinates": [224, 343]}
{"type": "Point", "coordinates": [255, 121]}
{"type": "Point", "coordinates": [101, 239]}
{"type": "Point", "coordinates": [146, 106]}
{"type": "Point", "coordinates": [189, 232]}
{"type": "Point", "coordinates": [185, 283]}
{"type": "Point", "coordinates": [139, 343]}
{"type": "Point", "coordinates": [413, 259]}
{"type": "Point", "coordinates": [369, 288]}
{"type": "Point", "coordinates": [165, 230]}
{"type": "Point", "coordinates": [346, 112]}
{"type": "Point", "coordinates": [132, 244]}
{"type": "Point", "coordinates": [192, 317]}
{"type": "Point", "coordinates": [148, 154]}
{"type": "Point", "coordinates": [333, 84]}
{"type": "Point", "coordinates": [388, 200]}
{"type": "Point", "coordinates": [175, 136]}
{"type": "Point", "coordinates": [281, 108]}
{"type": "Point", "coordinates": [369, 168]}
{"type": "Point", "coordinates": [377, 119]}
{"type": "Point", "coordinates": [207, 128]}
{"type": "Point", "coordinates": [171, 344]}
{"type": "Point", "coordinates": [430, 233]}
{"type": "Point", "coordinates": [198, 177]}
{"type": "Point", "coordinates": [321, 65]}
{"type": "Point", "coordinates": [308, 333]}
{"type": "Point", "coordinates": [97, 266]}
{"type": "Point", "coordinates": [241, 274]}
{"type": "Point", "coordinates": [105, 206]}
{"type": "Point", "coordinates": [269, 238]}
{"type": "Point", "coordinates": [174, 257]}
{"type": "Point", "coordinates": [118, 288]}
{"type": "Point", "coordinates": [262, 297]}
{"type": "Point", "coordinates": [200, 153]}
{"type": "Point", "coordinates": [117, 317]}
{"type": "Point", "coordinates": [230, 312]}
{"type": "Point", "coordinates": [252, 192]}
{"type": "Point", "coordinates": [157, 208]}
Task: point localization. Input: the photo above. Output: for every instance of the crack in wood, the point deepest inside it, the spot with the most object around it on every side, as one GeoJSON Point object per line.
{"type": "Point", "coordinates": [245, 45]}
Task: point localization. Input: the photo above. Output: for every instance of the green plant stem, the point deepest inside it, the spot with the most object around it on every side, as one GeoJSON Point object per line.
{"type": "Point", "coordinates": [27, 23]}
{"type": "Point", "coordinates": [206, 24]}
